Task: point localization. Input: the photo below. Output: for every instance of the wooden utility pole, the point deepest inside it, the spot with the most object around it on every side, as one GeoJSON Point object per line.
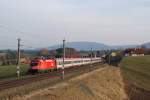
{"type": "Point", "coordinates": [18, 61]}
{"type": "Point", "coordinates": [64, 54]}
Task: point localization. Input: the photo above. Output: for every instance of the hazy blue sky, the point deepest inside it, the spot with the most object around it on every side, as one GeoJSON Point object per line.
{"type": "Point", "coordinates": [46, 22]}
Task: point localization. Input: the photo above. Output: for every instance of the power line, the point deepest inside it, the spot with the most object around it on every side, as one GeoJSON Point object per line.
{"type": "Point", "coordinates": [16, 31]}
{"type": "Point", "coordinates": [23, 36]}
{"type": "Point", "coordinates": [29, 47]}
{"type": "Point", "coordinates": [8, 28]}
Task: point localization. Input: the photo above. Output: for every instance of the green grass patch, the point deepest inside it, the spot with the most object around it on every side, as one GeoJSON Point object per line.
{"type": "Point", "coordinates": [137, 71]}
{"type": "Point", "coordinates": [10, 71]}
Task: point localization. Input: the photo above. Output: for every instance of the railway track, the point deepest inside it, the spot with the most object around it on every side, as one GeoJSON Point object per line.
{"type": "Point", "coordinates": [69, 72]}
{"type": "Point", "coordinates": [18, 82]}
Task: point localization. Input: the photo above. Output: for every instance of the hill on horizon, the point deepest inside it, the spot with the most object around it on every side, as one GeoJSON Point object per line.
{"type": "Point", "coordinates": [94, 45]}
{"type": "Point", "coordinates": [83, 46]}
{"type": "Point", "coordinates": [147, 45]}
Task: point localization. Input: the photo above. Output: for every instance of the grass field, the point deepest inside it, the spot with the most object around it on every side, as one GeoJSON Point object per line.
{"type": "Point", "coordinates": [10, 71]}
{"type": "Point", "coordinates": [137, 71]}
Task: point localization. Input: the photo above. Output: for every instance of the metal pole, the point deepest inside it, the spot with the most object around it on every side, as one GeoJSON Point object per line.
{"type": "Point", "coordinates": [91, 60]}
{"type": "Point", "coordinates": [109, 57]}
{"type": "Point", "coordinates": [18, 63]}
{"type": "Point", "coordinates": [63, 72]}
{"type": "Point", "coordinates": [95, 54]}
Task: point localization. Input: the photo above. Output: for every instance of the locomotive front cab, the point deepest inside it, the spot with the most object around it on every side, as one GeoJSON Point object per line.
{"type": "Point", "coordinates": [33, 66]}
{"type": "Point", "coordinates": [39, 65]}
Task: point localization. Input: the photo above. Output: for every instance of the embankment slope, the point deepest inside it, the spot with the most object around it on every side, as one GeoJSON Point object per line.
{"type": "Point", "coordinates": [102, 84]}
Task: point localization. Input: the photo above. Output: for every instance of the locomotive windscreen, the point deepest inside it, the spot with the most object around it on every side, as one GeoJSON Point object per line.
{"type": "Point", "coordinates": [33, 64]}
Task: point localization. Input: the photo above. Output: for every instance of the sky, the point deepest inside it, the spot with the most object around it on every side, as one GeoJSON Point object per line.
{"type": "Point", "coordinates": [43, 23]}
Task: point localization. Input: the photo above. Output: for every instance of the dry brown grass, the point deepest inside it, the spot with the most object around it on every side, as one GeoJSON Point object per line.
{"type": "Point", "coordinates": [102, 84]}
{"type": "Point", "coordinates": [25, 89]}
{"type": "Point", "coordinates": [36, 86]}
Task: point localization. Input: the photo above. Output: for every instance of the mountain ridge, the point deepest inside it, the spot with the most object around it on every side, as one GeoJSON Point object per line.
{"type": "Point", "coordinates": [83, 45]}
{"type": "Point", "coordinates": [147, 45]}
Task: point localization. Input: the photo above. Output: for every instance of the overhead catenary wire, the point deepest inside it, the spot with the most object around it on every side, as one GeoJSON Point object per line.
{"type": "Point", "coordinates": [18, 32]}
{"type": "Point", "coordinates": [29, 47]}
{"type": "Point", "coordinates": [25, 40]}
{"type": "Point", "coordinates": [25, 36]}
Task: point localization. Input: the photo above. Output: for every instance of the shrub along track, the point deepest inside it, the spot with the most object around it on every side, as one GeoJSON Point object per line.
{"type": "Point", "coordinates": [69, 72]}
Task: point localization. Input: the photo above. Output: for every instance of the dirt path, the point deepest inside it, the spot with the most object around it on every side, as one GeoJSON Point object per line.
{"type": "Point", "coordinates": [102, 84]}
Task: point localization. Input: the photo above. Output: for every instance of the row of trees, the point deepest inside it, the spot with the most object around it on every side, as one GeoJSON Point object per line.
{"type": "Point", "coordinates": [70, 53]}
{"type": "Point", "coordinates": [58, 53]}
{"type": "Point", "coordinates": [10, 56]}
{"type": "Point", "coordinates": [147, 51]}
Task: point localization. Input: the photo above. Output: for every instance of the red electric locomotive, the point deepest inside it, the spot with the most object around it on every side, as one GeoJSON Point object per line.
{"type": "Point", "coordinates": [40, 65]}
